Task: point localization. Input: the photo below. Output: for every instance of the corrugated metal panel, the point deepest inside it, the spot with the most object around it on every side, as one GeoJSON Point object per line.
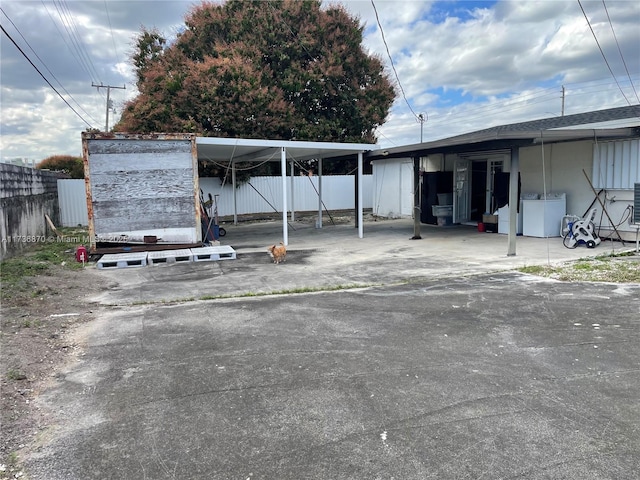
{"type": "Point", "coordinates": [72, 199]}
{"type": "Point", "coordinates": [616, 165]}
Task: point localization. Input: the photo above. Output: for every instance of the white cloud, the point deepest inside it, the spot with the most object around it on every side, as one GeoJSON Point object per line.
{"type": "Point", "coordinates": [467, 65]}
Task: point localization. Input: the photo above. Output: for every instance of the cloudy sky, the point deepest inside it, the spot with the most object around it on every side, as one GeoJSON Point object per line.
{"type": "Point", "coordinates": [462, 65]}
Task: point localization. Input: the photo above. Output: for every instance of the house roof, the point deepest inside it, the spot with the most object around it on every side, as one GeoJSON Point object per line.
{"type": "Point", "coordinates": [580, 126]}
{"type": "Point", "coordinates": [256, 150]}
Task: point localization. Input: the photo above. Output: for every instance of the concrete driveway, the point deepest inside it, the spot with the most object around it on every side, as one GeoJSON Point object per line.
{"type": "Point", "coordinates": [442, 365]}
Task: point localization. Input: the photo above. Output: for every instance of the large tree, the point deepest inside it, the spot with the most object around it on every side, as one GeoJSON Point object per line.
{"type": "Point", "coordinates": [280, 69]}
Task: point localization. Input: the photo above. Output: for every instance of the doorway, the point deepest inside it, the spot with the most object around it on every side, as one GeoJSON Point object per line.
{"type": "Point", "coordinates": [485, 176]}
{"type": "Point", "coordinates": [479, 189]}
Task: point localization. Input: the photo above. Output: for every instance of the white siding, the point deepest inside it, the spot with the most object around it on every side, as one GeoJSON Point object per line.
{"type": "Point", "coordinates": [616, 165]}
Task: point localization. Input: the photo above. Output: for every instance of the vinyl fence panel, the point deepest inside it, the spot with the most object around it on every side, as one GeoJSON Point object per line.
{"type": "Point", "coordinates": [264, 194]}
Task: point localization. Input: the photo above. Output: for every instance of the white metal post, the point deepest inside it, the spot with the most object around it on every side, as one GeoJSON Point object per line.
{"type": "Point", "coordinates": [283, 164]}
{"type": "Point", "coordinates": [293, 193]}
{"type": "Point", "coordinates": [360, 223]}
{"type": "Point", "coordinates": [319, 224]}
{"type": "Point", "coordinates": [235, 190]}
{"type": "Point", "coordinates": [514, 175]}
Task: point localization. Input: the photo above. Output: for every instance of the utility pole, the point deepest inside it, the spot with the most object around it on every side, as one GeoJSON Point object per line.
{"type": "Point", "coordinates": [108, 87]}
{"type": "Point", "coordinates": [421, 120]}
{"type": "Point", "coordinates": [563, 93]}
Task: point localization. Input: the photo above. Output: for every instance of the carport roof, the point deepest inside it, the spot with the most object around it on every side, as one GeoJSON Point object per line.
{"type": "Point", "coordinates": [257, 150]}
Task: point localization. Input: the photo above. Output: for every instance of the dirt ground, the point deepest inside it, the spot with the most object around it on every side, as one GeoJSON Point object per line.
{"type": "Point", "coordinates": [34, 344]}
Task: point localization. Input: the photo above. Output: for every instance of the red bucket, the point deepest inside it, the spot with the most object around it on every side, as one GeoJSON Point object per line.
{"type": "Point", "coordinates": [481, 227]}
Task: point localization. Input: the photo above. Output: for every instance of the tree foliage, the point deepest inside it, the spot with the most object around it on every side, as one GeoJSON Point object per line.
{"type": "Point", "coordinates": [73, 166]}
{"type": "Point", "coordinates": [279, 69]}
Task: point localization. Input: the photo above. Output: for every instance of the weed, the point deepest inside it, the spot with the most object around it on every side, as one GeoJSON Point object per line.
{"type": "Point", "coordinates": [13, 374]}
{"type": "Point", "coordinates": [533, 269]}
{"type": "Point", "coordinates": [38, 259]}
{"type": "Point", "coordinates": [617, 268]}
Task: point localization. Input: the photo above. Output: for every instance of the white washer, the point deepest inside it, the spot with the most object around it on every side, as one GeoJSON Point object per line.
{"type": "Point", "coordinates": [543, 218]}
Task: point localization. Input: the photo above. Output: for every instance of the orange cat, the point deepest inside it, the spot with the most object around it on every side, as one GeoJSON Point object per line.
{"type": "Point", "coordinates": [278, 252]}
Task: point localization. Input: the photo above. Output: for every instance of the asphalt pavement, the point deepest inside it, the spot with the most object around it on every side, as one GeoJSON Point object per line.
{"type": "Point", "coordinates": [373, 358]}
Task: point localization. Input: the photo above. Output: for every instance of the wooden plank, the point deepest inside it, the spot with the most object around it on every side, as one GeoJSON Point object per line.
{"type": "Point", "coordinates": [126, 162]}
{"type": "Point", "coordinates": [143, 214]}
{"type": "Point", "coordinates": [146, 184]}
{"type": "Point", "coordinates": [146, 146]}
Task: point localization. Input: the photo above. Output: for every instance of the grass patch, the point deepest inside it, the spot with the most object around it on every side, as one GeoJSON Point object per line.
{"type": "Point", "coordinates": [13, 374]}
{"type": "Point", "coordinates": [617, 268]}
{"type": "Point", "coordinates": [288, 291]}
{"type": "Point", "coordinates": [39, 258]}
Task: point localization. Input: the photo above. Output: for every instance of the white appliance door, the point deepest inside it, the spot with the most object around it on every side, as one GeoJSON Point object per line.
{"type": "Point", "coordinates": [461, 191]}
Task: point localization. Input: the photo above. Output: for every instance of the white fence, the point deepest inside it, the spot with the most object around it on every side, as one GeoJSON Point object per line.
{"type": "Point", "coordinates": [260, 195]}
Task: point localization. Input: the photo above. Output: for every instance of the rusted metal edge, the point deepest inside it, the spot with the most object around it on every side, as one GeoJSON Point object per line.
{"type": "Point", "coordinates": [137, 136]}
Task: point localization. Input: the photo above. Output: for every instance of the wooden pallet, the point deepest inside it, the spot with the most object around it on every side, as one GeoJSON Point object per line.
{"type": "Point", "coordinates": [123, 260]}
{"type": "Point", "coordinates": [208, 254]}
{"type": "Point", "coordinates": [183, 255]}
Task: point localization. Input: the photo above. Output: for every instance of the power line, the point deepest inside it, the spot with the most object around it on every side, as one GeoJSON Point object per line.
{"type": "Point", "coordinates": [45, 65]}
{"type": "Point", "coordinates": [384, 40]}
{"type": "Point", "coordinates": [70, 47]}
{"type": "Point", "coordinates": [619, 50]}
{"type": "Point", "coordinates": [115, 49]}
{"type": "Point", "coordinates": [69, 24]}
{"type": "Point", "coordinates": [44, 78]}
{"type": "Point", "coordinates": [602, 52]}
{"type": "Point", "coordinates": [521, 101]}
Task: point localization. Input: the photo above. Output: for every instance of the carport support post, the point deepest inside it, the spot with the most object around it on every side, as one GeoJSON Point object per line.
{"type": "Point", "coordinates": [416, 199]}
{"type": "Point", "coordinates": [360, 227]}
{"type": "Point", "coordinates": [319, 224]}
{"type": "Point", "coordinates": [293, 209]}
{"type": "Point", "coordinates": [513, 199]}
{"type": "Point", "coordinates": [235, 194]}
{"type": "Point", "coordinates": [283, 164]}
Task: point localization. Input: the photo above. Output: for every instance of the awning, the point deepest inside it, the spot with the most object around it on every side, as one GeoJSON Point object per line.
{"type": "Point", "coordinates": [256, 150]}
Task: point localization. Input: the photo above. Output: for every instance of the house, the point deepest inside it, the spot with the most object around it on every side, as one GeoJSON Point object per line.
{"type": "Point", "coordinates": [577, 161]}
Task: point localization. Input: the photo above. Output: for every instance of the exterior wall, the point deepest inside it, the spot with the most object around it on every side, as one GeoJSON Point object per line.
{"type": "Point", "coordinates": [393, 188]}
{"type": "Point", "coordinates": [27, 195]}
{"type": "Point", "coordinates": [142, 185]}
{"type": "Point", "coordinates": [563, 173]}
{"type": "Point", "coordinates": [563, 165]}
{"type": "Point", "coordinates": [432, 163]}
